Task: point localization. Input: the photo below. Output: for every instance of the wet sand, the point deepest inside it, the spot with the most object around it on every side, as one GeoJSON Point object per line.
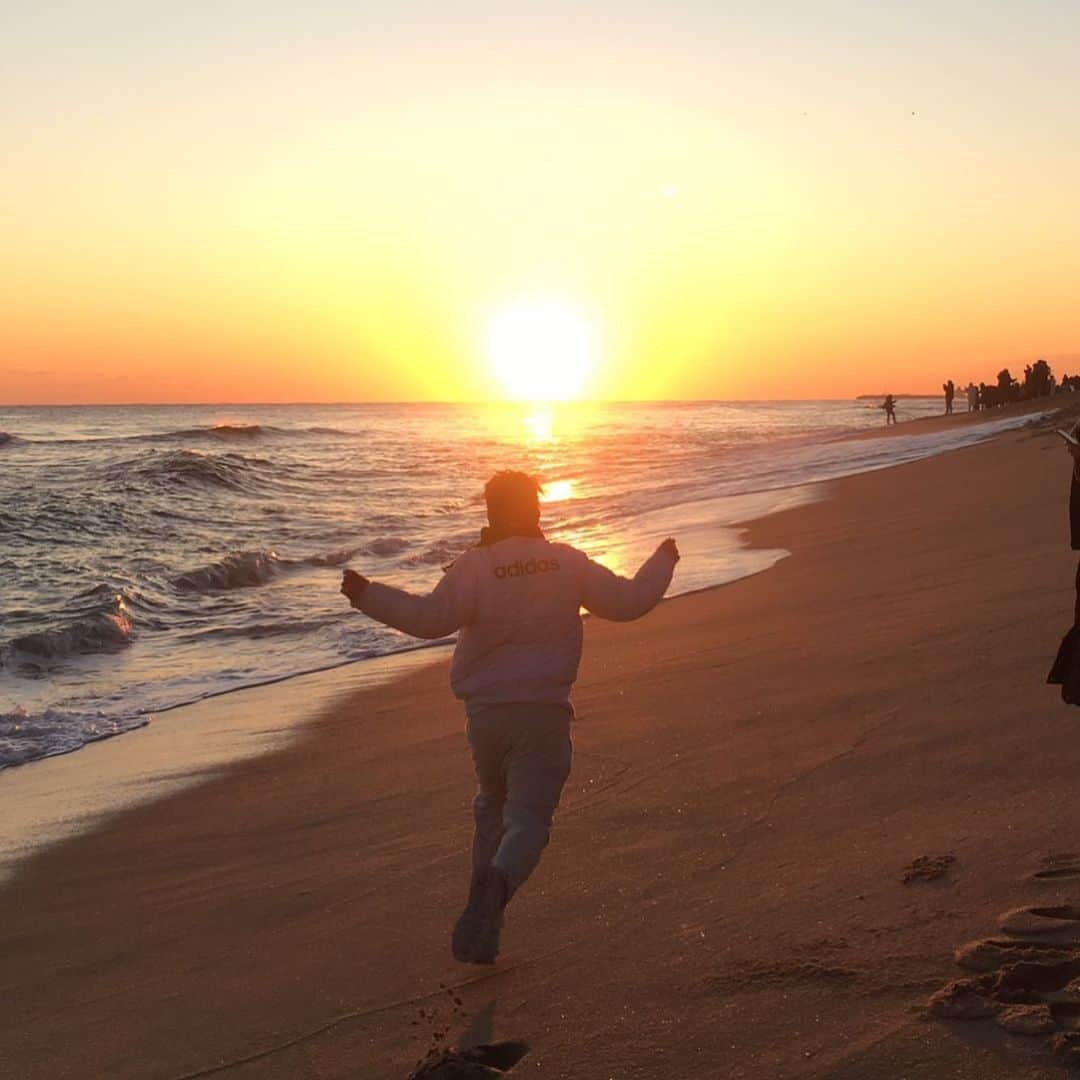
{"type": "Point", "coordinates": [757, 769]}
{"type": "Point", "coordinates": [927, 425]}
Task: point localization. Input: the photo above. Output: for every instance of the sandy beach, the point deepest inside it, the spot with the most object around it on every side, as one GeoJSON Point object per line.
{"type": "Point", "coordinates": [756, 767]}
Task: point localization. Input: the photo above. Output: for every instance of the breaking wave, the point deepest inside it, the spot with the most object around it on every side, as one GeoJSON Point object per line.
{"type": "Point", "coordinates": [102, 631]}
{"type": "Point", "coordinates": [187, 468]}
{"type": "Point", "coordinates": [238, 571]}
{"type": "Point", "coordinates": [234, 431]}
{"type": "Point", "coordinates": [245, 569]}
{"type": "Point", "coordinates": [242, 433]}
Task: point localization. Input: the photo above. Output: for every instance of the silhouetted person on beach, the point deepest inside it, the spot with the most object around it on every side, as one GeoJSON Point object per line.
{"type": "Point", "coordinates": [1074, 511]}
{"type": "Point", "coordinates": [1065, 671]}
{"type": "Point", "coordinates": [972, 397]}
{"type": "Point", "coordinates": [1008, 389]}
{"type": "Point", "coordinates": [950, 392]}
{"type": "Point", "coordinates": [889, 405]}
{"type": "Point", "coordinates": [515, 598]}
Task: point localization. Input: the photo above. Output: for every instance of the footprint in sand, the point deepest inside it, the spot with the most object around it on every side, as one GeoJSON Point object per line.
{"type": "Point", "coordinates": [1059, 922]}
{"type": "Point", "coordinates": [477, 1063]}
{"type": "Point", "coordinates": [1028, 979]}
{"type": "Point", "coordinates": [928, 868]}
{"type": "Point", "coordinates": [1064, 867]}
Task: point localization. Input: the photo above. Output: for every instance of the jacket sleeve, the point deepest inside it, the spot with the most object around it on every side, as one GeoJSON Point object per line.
{"type": "Point", "coordinates": [622, 599]}
{"type": "Point", "coordinates": [445, 609]}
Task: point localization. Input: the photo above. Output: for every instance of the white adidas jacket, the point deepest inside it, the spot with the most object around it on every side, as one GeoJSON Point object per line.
{"type": "Point", "coordinates": [517, 605]}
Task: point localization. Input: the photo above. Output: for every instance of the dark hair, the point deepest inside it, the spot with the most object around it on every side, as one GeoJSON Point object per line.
{"type": "Point", "coordinates": [512, 497]}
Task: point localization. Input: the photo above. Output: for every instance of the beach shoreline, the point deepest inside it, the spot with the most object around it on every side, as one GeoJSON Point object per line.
{"type": "Point", "coordinates": [185, 743]}
{"type": "Point", "coordinates": [702, 525]}
{"type": "Point", "coordinates": [964, 419]}
{"type": "Point", "coordinates": [678, 867]}
{"type": "Point", "coordinates": [217, 541]}
{"type": "Point", "coordinates": [65, 795]}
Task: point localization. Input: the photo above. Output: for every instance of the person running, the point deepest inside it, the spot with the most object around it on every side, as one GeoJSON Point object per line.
{"type": "Point", "coordinates": [516, 599]}
{"type": "Point", "coordinates": [889, 405]}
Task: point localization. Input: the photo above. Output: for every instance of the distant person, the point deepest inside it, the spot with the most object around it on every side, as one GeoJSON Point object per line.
{"type": "Point", "coordinates": [889, 405]}
{"type": "Point", "coordinates": [972, 397]}
{"type": "Point", "coordinates": [515, 598]}
{"type": "Point", "coordinates": [950, 392]}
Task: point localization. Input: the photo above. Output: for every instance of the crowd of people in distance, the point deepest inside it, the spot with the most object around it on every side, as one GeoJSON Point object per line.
{"type": "Point", "coordinates": [1039, 381]}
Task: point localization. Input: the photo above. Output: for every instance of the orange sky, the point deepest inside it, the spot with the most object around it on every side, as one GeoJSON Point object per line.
{"type": "Point", "coordinates": [265, 204]}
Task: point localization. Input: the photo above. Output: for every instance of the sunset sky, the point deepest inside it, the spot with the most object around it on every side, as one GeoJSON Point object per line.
{"type": "Point", "coordinates": [263, 201]}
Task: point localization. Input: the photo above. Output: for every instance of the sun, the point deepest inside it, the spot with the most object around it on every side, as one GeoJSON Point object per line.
{"type": "Point", "coordinates": [541, 350]}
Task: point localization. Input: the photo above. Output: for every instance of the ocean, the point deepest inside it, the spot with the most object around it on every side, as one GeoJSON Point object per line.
{"type": "Point", "coordinates": [151, 556]}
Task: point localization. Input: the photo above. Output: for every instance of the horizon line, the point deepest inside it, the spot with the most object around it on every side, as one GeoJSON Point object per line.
{"type": "Point", "coordinates": [431, 401]}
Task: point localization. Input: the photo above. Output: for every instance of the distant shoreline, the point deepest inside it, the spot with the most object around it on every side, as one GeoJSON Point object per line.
{"type": "Point", "coordinates": [577, 403]}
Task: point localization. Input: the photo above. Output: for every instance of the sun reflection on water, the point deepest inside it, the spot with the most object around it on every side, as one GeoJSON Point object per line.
{"type": "Point", "coordinates": [557, 491]}
{"type": "Point", "coordinates": [538, 425]}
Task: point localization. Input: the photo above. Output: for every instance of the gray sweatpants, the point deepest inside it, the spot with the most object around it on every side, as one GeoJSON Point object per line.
{"type": "Point", "coordinates": [522, 756]}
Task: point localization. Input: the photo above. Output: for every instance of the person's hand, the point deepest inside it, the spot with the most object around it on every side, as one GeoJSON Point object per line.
{"type": "Point", "coordinates": [353, 586]}
{"type": "Point", "coordinates": [671, 548]}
